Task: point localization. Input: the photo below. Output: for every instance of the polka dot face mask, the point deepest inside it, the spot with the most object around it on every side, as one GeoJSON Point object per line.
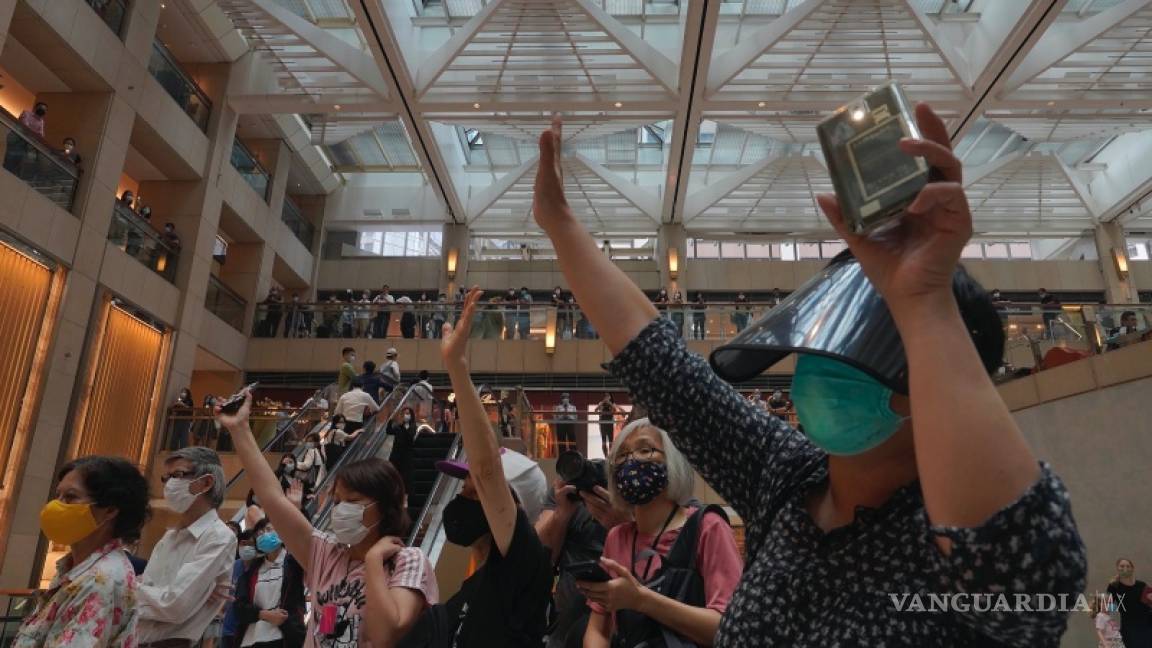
{"type": "Point", "coordinates": [639, 482]}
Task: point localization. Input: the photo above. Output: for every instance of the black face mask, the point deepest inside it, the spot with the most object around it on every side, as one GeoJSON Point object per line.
{"type": "Point", "coordinates": [40, 112]}
{"type": "Point", "coordinates": [464, 521]}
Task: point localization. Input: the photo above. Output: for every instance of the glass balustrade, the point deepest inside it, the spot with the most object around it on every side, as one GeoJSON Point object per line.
{"type": "Point", "coordinates": [225, 303]}
{"type": "Point", "coordinates": [136, 237]}
{"type": "Point", "coordinates": [188, 426]}
{"type": "Point", "coordinates": [40, 166]}
{"type": "Point", "coordinates": [180, 85]}
{"type": "Point", "coordinates": [250, 168]}
{"type": "Point", "coordinates": [304, 230]}
{"type": "Point", "coordinates": [112, 12]}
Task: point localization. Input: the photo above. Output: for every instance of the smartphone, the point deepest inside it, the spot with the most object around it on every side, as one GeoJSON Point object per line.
{"type": "Point", "coordinates": [232, 405]}
{"type": "Point", "coordinates": [589, 572]}
{"type": "Point", "coordinates": [873, 178]}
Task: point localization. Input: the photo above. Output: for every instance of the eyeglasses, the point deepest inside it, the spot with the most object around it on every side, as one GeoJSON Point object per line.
{"type": "Point", "coordinates": [177, 474]}
{"type": "Point", "coordinates": [640, 454]}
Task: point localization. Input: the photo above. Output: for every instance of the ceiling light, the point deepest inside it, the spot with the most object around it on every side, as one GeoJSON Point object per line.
{"type": "Point", "coordinates": [476, 106]}
{"type": "Point", "coordinates": [619, 105]}
{"type": "Point", "coordinates": [761, 104]}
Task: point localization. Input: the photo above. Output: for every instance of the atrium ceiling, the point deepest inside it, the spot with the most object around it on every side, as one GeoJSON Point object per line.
{"type": "Point", "coordinates": [703, 112]}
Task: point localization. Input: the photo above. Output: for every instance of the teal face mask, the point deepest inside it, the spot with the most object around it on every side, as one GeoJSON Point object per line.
{"type": "Point", "coordinates": [843, 410]}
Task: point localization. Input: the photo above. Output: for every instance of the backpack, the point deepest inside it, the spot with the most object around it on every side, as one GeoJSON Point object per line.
{"type": "Point", "coordinates": [679, 579]}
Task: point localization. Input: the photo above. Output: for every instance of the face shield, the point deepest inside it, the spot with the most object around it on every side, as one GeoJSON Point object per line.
{"type": "Point", "coordinates": [836, 314]}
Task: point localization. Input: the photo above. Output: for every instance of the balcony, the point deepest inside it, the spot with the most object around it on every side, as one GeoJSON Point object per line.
{"type": "Point", "coordinates": [300, 226]}
{"type": "Point", "coordinates": [223, 302]}
{"type": "Point", "coordinates": [27, 157]}
{"type": "Point", "coordinates": [113, 12]}
{"type": "Point", "coordinates": [138, 240]}
{"type": "Point", "coordinates": [180, 86]}
{"type": "Point", "coordinates": [250, 168]}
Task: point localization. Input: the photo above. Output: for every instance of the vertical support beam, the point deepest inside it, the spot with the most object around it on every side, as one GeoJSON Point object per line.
{"type": "Point", "coordinates": [1109, 241]}
{"type": "Point", "coordinates": [672, 247]}
{"type": "Point", "coordinates": [700, 23]}
{"type": "Point", "coordinates": [456, 240]}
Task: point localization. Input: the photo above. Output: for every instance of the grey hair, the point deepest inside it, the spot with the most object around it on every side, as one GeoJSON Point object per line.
{"type": "Point", "coordinates": [681, 478]}
{"type": "Point", "coordinates": [204, 461]}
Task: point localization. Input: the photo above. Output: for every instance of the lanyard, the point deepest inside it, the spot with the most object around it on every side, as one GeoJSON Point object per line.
{"type": "Point", "coordinates": [655, 541]}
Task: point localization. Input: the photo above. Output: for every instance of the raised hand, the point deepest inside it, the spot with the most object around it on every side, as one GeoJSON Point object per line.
{"type": "Point", "coordinates": [232, 422]}
{"type": "Point", "coordinates": [454, 346]}
{"type": "Point", "coordinates": [549, 206]}
{"type": "Point", "coordinates": [916, 259]}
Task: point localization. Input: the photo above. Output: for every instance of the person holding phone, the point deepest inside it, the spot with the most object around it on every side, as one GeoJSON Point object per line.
{"type": "Point", "coordinates": [672, 570]}
{"type": "Point", "coordinates": [886, 489]}
{"type": "Point", "coordinates": [365, 587]}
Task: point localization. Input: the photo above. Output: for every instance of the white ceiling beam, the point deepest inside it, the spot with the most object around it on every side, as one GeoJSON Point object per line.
{"type": "Point", "coordinates": [1076, 180]}
{"type": "Point", "coordinates": [700, 20]}
{"type": "Point", "coordinates": [389, 56]}
{"type": "Point", "coordinates": [1127, 178]}
{"type": "Point", "coordinates": [432, 67]}
{"type": "Point", "coordinates": [725, 67]}
{"type": "Point", "coordinates": [301, 104]}
{"type": "Point", "coordinates": [993, 41]}
{"type": "Point", "coordinates": [701, 200]}
{"type": "Point", "coordinates": [952, 56]}
{"type": "Point", "coordinates": [975, 174]}
{"type": "Point", "coordinates": [658, 65]}
{"type": "Point", "coordinates": [479, 202]}
{"type": "Point", "coordinates": [641, 199]}
{"type": "Point", "coordinates": [1065, 38]}
{"type": "Point", "coordinates": [353, 61]}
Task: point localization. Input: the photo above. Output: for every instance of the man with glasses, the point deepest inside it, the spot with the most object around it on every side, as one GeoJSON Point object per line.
{"type": "Point", "coordinates": [187, 578]}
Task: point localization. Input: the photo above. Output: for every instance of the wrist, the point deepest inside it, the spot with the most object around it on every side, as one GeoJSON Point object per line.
{"type": "Point", "coordinates": [644, 600]}
{"type": "Point", "coordinates": [913, 314]}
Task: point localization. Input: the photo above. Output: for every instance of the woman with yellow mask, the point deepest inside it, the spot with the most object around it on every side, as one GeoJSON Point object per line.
{"type": "Point", "coordinates": [101, 505]}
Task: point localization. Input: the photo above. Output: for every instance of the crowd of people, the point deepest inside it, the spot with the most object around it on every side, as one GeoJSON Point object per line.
{"type": "Point", "coordinates": [884, 491]}
{"type": "Point", "coordinates": [26, 161]}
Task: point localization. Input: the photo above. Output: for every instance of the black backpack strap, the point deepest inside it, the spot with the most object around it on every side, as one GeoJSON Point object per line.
{"type": "Point", "coordinates": [683, 551]}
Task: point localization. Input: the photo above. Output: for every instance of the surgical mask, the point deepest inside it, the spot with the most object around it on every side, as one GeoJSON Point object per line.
{"type": "Point", "coordinates": [68, 148]}
{"type": "Point", "coordinates": [407, 418]}
{"type": "Point", "coordinates": [177, 495]}
{"type": "Point", "coordinates": [268, 542]}
{"type": "Point", "coordinates": [289, 468]}
{"type": "Point", "coordinates": [348, 522]}
{"type": "Point", "coordinates": [843, 410]}
{"type": "Point", "coordinates": [248, 552]}
{"type": "Point", "coordinates": [464, 521]}
{"type": "Point", "coordinates": [639, 482]}
{"type": "Point", "coordinates": [67, 524]}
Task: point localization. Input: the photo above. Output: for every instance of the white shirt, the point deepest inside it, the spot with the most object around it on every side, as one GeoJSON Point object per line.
{"type": "Point", "coordinates": [351, 405]}
{"type": "Point", "coordinates": [184, 570]}
{"type": "Point", "coordinates": [269, 584]}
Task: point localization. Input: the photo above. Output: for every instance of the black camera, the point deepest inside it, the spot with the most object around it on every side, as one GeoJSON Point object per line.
{"type": "Point", "coordinates": [581, 473]}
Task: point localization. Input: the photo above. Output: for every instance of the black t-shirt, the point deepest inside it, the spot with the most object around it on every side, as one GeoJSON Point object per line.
{"type": "Point", "coordinates": [505, 602]}
{"type": "Point", "coordinates": [1135, 613]}
{"type": "Point", "coordinates": [372, 383]}
{"type": "Point", "coordinates": [606, 410]}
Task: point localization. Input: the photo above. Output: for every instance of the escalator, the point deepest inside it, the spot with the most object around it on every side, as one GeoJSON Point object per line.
{"type": "Point", "coordinates": [427, 449]}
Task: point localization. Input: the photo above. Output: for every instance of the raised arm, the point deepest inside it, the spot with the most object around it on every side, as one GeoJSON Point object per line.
{"type": "Point", "coordinates": [290, 523]}
{"type": "Point", "coordinates": [484, 463]}
{"type": "Point", "coordinates": [970, 466]}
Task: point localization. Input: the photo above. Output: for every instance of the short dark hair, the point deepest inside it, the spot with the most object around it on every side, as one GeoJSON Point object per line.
{"type": "Point", "coordinates": [423, 375]}
{"type": "Point", "coordinates": [1126, 314]}
{"type": "Point", "coordinates": [113, 482]}
{"type": "Point", "coordinates": [357, 383]}
{"type": "Point", "coordinates": [369, 366]}
{"type": "Point", "coordinates": [337, 418]}
{"type": "Point", "coordinates": [379, 480]}
{"type": "Point", "coordinates": [976, 309]}
{"type": "Point", "coordinates": [38, 104]}
{"type": "Point", "coordinates": [346, 350]}
{"type": "Point", "coordinates": [69, 139]}
{"type": "Point", "coordinates": [246, 535]}
{"type": "Point", "coordinates": [260, 525]}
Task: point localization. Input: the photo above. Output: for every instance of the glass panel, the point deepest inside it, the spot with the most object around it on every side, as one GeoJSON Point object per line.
{"type": "Point", "coordinates": [1020, 250]}
{"type": "Point", "coordinates": [1138, 252]}
{"type": "Point", "coordinates": [829, 249]}
{"type": "Point", "coordinates": [27, 157]}
{"type": "Point", "coordinates": [972, 251]}
{"type": "Point", "coordinates": [112, 12]}
{"type": "Point", "coordinates": [758, 250]}
{"type": "Point", "coordinates": [136, 237]}
{"type": "Point", "coordinates": [808, 250]}
{"type": "Point", "coordinates": [707, 250]}
{"type": "Point", "coordinates": [180, 86]}
{"type": "Point", "coordinates": [996, 250]}
{"type": "Point", "coordinates": [304, 230]}
{"type": "Point", "coordinates": [225, 303]}
{"type": "Point", "coordinates": [251, 169]}
{"type": "Point", "coordinates": [731, 250]}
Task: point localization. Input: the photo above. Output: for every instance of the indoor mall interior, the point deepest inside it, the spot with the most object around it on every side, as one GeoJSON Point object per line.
{"type": "Point", "coordinates": [295, 196]}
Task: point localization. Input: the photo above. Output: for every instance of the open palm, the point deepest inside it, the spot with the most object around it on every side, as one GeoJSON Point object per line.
{"type": "Point", "coordinates": [454, 346]}
{"type": "Point", "coordinates": [548, 201]}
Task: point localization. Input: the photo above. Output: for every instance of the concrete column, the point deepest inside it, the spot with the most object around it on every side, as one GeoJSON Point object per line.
{"type": "Point", "coordinates": [1110, 240]}
{"type": "Point", "coordinates": [456, 240]}
{"type": "Point", "coordinates": [672, 249]}
{"type": "Point", "coordinates": [7, 8]}
{"type": "Point", "coordinates": [140, 32]}
{"type": "Point", "coordinates": [249, 272]}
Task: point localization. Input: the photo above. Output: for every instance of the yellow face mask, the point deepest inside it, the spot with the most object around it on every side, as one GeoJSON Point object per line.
{"type": "Point", "coordinates": [67, 524]}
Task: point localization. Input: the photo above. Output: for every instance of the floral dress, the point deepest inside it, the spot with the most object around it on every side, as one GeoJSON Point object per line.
{"type": "Point", "coordinates": [90, 605]}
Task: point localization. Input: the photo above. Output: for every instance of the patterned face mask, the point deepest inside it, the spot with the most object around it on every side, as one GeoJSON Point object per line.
{"type": "Point", "coordinates": [639, 482]}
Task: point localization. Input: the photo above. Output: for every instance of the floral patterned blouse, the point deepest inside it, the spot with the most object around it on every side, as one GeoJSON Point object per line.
{"type": "Point", "coordinates": [90, 605]}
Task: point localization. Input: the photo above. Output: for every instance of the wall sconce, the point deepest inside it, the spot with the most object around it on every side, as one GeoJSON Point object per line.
{"type": "Point", "coordinates": [673, 263]}
{"type": "Point", "coordinates": [453, 255]}
{"type": "Point", "coordinates": [1121, 261]}
{"type": "Point", "coordinates": [550, 332]}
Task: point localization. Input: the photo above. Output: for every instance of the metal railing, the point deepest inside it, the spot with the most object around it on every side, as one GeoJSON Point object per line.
{"type": "Point", "coordinates": [282, 434]}
{"type": "Point", "coordinates": [27, 157]}
{"type": "Point", "coordinates": [414, 320]}
{"type": "Point", "coordinates": [135, 236]}
{"type": "Point", "coordinates": [112, 12]}
{"type": "Point", "coordinates": [276, 429]}
{"type": "Point", "coordinates": [180, 85]}
{"type": "Point", "coordinates": [225, 303]}
{"type": "Point", "coordinates": [1039, 338]}
{"type": "Point", "coordinates": [250, 169]}
{"type": "Point", "coordinates": [18, 604]}
{"type": "Point", "coordinates": [304, 230]}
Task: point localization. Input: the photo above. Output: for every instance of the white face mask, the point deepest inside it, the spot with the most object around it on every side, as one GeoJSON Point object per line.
{"type": "Point", "coordinates": [247, 553]}
{"type": "Point", "coordinates": [407, 418]}
{"type": "Point", "coordinates": [177, 495]}
{"type": "Point", "coordinates": [347, 522]}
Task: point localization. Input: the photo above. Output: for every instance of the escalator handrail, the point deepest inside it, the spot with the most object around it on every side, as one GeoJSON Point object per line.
{"type": "Point", "coordinates": [455, 452]}
{"type": "Point", "coordinates": [280, 432]}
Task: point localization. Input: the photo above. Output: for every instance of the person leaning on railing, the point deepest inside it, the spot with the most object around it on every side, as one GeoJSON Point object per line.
{"type": "Point", "coordinates": [887, 490]}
